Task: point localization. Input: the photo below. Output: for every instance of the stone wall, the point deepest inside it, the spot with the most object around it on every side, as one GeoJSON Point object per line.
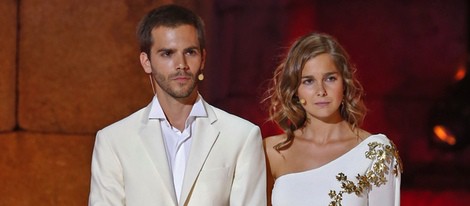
{"type": "Point", "coordinates": [44, 169]}
{"type": "Point", "coordinates": [78, 63]}
{"type": "Point", "coordinates": [68, 68]}
{"type": "Point", "coordinates": [8, 37]}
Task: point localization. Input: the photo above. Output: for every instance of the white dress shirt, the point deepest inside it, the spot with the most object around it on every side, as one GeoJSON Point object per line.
{"type": "Point", "coordinates": [177, 143]}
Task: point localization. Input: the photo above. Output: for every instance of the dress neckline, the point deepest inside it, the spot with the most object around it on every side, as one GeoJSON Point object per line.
{"type": "Point", "coordinates": [366, 140]}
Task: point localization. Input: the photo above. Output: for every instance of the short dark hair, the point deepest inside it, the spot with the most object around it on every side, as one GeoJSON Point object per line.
{"type": "Point", "coordinates": [169, 16]}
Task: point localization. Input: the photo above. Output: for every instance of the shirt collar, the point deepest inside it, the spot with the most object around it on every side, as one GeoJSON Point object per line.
{"type": "Point", "coordinates": [156, 111]}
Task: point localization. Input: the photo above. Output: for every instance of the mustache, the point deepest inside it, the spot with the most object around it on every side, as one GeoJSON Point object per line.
{"type": "Point", "coordinates": [182, 74]}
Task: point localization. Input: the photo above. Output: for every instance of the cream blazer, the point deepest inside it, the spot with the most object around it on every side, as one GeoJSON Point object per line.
{"type": "Point", "coordinates": [226, 165]}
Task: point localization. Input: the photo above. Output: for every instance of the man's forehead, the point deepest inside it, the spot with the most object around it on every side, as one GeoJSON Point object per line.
{"type": "Point", "coordinates": [177, 37]}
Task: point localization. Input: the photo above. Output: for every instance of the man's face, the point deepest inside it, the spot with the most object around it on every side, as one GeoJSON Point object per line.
{"type": "Point", "coordinates": [175, 61]}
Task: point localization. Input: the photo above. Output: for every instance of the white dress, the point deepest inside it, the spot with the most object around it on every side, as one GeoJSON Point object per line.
{"type": "Point", "coordinates": [367, 175]}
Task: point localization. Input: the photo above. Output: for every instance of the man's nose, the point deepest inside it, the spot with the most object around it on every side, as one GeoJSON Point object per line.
{"type": "Point", "coordinates": [182, 63]}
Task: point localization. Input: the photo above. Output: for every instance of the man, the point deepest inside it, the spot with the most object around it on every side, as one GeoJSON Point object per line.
{"type": "Point", "coordinates": [179, 150]}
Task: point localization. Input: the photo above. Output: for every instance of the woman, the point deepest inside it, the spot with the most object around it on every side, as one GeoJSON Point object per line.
{"type": "Point", "coordinates": [324, 157]}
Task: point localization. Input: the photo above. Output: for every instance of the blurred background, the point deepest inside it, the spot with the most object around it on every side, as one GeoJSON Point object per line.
{"type": "Point", "coordinates": [71, 67]}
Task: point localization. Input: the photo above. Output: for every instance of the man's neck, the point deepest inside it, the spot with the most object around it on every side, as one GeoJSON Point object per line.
{"type": "Point", "coordinates": [177, 110]}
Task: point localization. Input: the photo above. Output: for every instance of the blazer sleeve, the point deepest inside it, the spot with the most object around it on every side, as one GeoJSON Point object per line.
{"type": "Point", "coordinates": [388, 194]}
{"type": "Point", "coordinates": [107, 187]}
{"type": "Point", "coordinates": [249, 184]}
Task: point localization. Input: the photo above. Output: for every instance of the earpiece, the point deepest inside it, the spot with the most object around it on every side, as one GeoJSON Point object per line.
{"type": "Point", "coordinates": [151, 83]}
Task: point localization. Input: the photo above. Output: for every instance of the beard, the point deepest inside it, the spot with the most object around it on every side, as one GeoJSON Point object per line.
{"type": "Point", "coordinates": [175, 89]}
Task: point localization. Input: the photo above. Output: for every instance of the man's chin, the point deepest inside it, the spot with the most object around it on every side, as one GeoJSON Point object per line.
{"type": "Point", "coordinates": [183, 94]}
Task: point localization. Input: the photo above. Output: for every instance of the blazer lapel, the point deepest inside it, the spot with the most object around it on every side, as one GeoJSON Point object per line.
{"type": "Point", "coordinates": [152, 139]}
{"type": "Point", "coordinates": [204, 138]}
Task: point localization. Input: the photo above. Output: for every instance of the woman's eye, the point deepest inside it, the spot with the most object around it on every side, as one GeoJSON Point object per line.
{"type": "Point", "coordinates": [331, 79]}
{"type": "Point", "coordinates": [307, 81]}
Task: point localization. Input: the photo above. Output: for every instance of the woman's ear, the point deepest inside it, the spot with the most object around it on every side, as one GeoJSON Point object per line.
{"type": "Point", "coordinates": [145, 62]}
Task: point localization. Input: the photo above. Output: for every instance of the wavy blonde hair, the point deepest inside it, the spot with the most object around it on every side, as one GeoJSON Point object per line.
{"type": "Point", "coordinates": [284, 107]}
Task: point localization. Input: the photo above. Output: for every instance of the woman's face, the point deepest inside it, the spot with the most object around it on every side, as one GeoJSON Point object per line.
{"type": "Point", "coordinates": [321, 88]}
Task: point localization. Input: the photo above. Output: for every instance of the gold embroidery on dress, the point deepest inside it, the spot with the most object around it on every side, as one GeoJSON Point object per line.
{"type": "Point", "coordinates": [382, 155]}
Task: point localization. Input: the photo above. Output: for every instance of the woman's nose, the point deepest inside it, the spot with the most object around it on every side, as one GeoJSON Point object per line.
{"type": "Point", "coordinates": [321, 92]}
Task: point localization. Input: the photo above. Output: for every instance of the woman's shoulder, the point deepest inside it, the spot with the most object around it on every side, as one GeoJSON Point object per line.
{"type": "Point", "coordinates": [273, 140]}
{"type": "Point", "coordinates": [274, 157]}
{"type": "Point", "coordinates": [382, 149]}
{"type": "Point", "coordinates": [379, 138]}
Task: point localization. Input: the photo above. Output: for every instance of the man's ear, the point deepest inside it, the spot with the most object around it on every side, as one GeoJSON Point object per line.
{"type": "Point", "coordinates": [145, 62]}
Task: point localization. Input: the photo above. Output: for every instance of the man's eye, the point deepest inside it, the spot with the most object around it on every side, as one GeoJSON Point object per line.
{"type": "Point", "coordinates": [191, 52]}
{"type": "Point", "coordinates": [165, 53]}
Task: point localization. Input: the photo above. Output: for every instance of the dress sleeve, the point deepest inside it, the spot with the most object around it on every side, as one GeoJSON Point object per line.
{"type": "Point", "coordinates": [387, 169]}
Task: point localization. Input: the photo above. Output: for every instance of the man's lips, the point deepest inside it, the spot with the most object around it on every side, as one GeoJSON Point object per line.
{"type": "Point", "coordinates": [181, 78]}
